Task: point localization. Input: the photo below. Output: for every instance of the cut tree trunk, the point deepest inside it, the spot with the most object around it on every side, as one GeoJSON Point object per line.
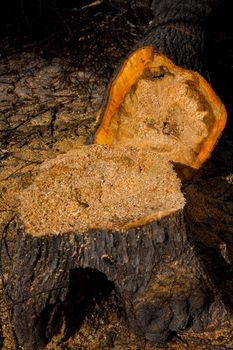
{"type": "Point", "coordinates": [158, 96]}
{"type": "Point", "coordinates": [118, 211]}
{"type": "Point", "coordinates": [115, 215]}
{"type": "Point", "coordinates": [152, 103]}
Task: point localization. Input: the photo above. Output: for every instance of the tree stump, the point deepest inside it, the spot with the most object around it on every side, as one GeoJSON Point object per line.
{"type": "Point", "coordinates": [118, 211]}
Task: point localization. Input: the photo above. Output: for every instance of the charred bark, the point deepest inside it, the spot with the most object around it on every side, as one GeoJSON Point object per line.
{"type": "Point", "coordinates": [154, 268]}
{"type": "Point", "coordinates": [180, 30]}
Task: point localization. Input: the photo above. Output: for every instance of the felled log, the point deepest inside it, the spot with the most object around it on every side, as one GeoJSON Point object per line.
{"type": "Point", "coordinates": [115, 213]}
{"type": "Point", "coordinates": [152, 103]}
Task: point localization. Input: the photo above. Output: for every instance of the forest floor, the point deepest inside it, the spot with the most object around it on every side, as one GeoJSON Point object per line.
{"type": "Point", "coordinates": [54, 68]}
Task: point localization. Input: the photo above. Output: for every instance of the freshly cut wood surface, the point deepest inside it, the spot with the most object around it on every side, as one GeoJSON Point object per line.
{"type": "Point", "coordinates": [159, 105]}
{"type": "Point", "coordinates": [100, 187]}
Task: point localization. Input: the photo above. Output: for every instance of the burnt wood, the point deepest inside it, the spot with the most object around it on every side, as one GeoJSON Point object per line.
{"type": "Point", "coordinates": [180, 29]}
{"type": "Point", "coordinates": [159, 277]}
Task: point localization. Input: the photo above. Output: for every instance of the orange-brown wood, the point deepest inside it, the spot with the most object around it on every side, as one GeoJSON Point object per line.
{"type": "Point", "coordinates": [128, 74]}
{"type": "Point", "coordinates": [133, 69]}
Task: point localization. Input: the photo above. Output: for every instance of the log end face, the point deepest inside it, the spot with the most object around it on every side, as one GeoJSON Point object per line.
{"type": "Point", "coordinates": [100, 187]}
{"type": "Point", "coordinates": [167, 108]}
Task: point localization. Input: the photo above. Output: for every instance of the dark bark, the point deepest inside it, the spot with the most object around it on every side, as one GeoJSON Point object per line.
{"type": "Point", "coordinates": [154, 268]}
{"type": "Point", "coordinates": [180, 30]}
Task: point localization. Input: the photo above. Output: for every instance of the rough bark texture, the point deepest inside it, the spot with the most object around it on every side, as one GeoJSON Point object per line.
{"type": "Point", "coordinates": [179, 29]}
{"type": "Point", "coordinates": [154, 269]}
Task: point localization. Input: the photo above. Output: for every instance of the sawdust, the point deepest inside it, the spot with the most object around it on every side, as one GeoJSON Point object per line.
{"type": "Point", "coordinates": [175, 126]}
{"type": "Point", "coordinates": [99, 186]}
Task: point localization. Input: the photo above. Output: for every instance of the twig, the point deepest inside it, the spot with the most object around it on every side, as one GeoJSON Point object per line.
{"type": "Point", "coordinates": [15, 172]}
{"type": "Point", "coordinates": [94, 3]}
